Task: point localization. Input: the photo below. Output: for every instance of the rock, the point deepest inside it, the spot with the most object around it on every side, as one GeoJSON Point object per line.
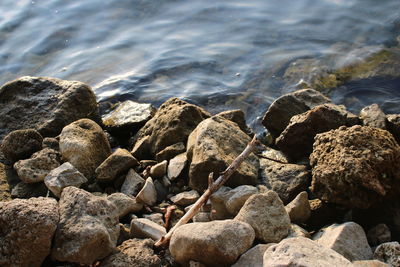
{"type": "Point", "coordinates": [379, 234]}
{"type": "Point", "coordinates": [267, 215]}
{"type": "Point", "coordinates": [355, 166]}
{"type": "Point", "coordinates": [299, 209]}
{"type": "Point", "coordinates": [285, 107]}
{"type": "Point", "coordinates": [393, 125]}
{"type": "Point", "coordinates": [52, 143]}
{"type": "Point", "coordinates": [218, 204]}
{"type": "Point", "coordinates": [141, 148]}
{"type": "Point", "coordinates": [132, 184]}
{"type": "Point", "coordinates": [5, 190]}
{"type": "Point", "coordinates": [253, 257]}
{"type": "Point", "coordinates": [172, 123]}
{"type": "Point", "coordinates": [148, 194]}
{"type": "Point", "coordinates": [45, 104]}
{"type": "Point", "coordinates": [237, 116]}
{"type": "Point", "coordinates": [323, 213]}
{"type": "Point", "coordinates": [63, 176]}
{"type": "Point", "coordinates": [185, 198]}
{"type": "Point", "coordinates": [123, 233]}
{"type": "Point", "coordinates": [215, 243]}
{"type": "Point", "coordinates": [124, 204]}
{"type": "Point", "coordinates": [389, 253]}
{"type": "Point", "coordinates": [238, 197]}
{"type": "Point", "coordinates": [159, 170]}
{"type": "Point", "coordinates": [23, 190]}
{"type": "Point", "coordinates": [176, 166]}
{"type": "Point", "coordinates": [348, 239]}
{"type": "Point", "coordinates": [88, 229]}
{"type": "Point", "coordinates": [116, 164]}
{"type": "Point", "coordinates": [21, 144]}
{"type": "Point", "coordinates": [161, 189]}
{"type": "Point", "coordinates": [301, 251]}
{"type": "Point", "coordinates": [296, 231]}
{"type": "Point", "coordinates": [84, 144]}
{"type": "Point", "coordinates": [158, 218]}
{"type": "Point", "coordinates": [144, 228]}
{"type": "Point", "coordinates": [202, 217]}
{"type": "Point", "coordinates": [133, 252]}
{"type": "Point", "coordinates": [170, 151]}
{"type": "Point", "coordinates": [36, 168]}
{"type": "Point", "coordinates": [26, 230]}
{"type": "Point", "coordinates": [212, 147]}
{"type": "Point", "coordinates": [147, 162]}
{"type": "Point", "coordinates": [369, 263]}
{"type": "Point", "coordinates": [373, 116]}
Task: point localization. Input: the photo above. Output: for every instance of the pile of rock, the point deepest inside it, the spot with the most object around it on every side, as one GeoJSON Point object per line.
{"type": "Point", "coordinates": [73, 190]}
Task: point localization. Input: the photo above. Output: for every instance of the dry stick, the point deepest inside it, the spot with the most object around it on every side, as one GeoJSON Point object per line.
{"type": "Point", "coordinates": [212, 187]}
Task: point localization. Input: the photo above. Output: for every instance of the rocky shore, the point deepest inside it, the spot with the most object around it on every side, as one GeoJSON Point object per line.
{"type": "Point", "coordinates": [83, 184]}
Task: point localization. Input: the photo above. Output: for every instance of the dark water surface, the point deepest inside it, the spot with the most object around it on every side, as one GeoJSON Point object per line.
{"type": "Point", "coordinates": [219, 54]}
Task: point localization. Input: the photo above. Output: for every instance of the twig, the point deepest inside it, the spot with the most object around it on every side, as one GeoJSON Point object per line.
{"type": "Point", "coordinates": [276, 160]}
{"type": "Point", "coordinates": [212, 187]}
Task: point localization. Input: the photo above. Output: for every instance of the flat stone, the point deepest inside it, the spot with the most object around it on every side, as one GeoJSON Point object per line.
{"type": "Point", "coordinates": [253, 257]}
{"type": "Point", "coordinates": [389, 253]}
{"type": "Point", "coordinates": [299, 209]}
{"type": "Point", "coordinates": [148, 194]}
{"type": "Point", "coordinates": [124, 204]}
{"type": "Point", "coordinates": [159, 170]}
{"type": "Point", "coordinates": [238, 197]}
{"type": "Point", "coordinates": [185, 198]}
{"type": "Point", "coordinates": [21, 144]}
{"type": "Point", "coordinates": [373, 116]}
{"type": "Point", "coordinates": [145, 228]}
{"type": "Point", "coordinates": [170, 151]}
{"type": "Point", "coordinates": [132, 184]}
{"type": "Point", "coordinates": [379, 234]}
{"type": "Point", "coordinates": [176, 166]}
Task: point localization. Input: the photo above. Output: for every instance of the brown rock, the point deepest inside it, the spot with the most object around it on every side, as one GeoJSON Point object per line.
{"type": "Point", "coordinates": [21, 144]}
{"type": "Point", "coordinates": [170, 151]}
{"type": "Point", "coordinates": [393, 125]}
{"type": "Point", "coordinates": [176, 166]}
{"type": "Point", "coordinates": [5, 190]}
{"type": "Point", "coordinates": [237, 116]}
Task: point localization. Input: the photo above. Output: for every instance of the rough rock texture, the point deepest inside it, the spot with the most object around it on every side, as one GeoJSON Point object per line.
{"type": "Point", "coordinates": [215, 243]}
{"type": "Point", "coordinates": [347, 239]}
{"type": "Point", "coordinates": [212, 147]}
{"type": "Point", "coordinates": [23, 190]}
{"type": "Point", "coordinates": [133, 252]}
{"type": "Point", "coordinates": [185, 198]}
{"type": "Point", "coordinates": [370, 263]}
{"type": "Point", "coordinates": [132, 184]}
{"type": "Point", "coordinates": [237, 116]}
{"type": "Point", "coordinates": [302, 252]}
{"type": "Point", "coordinates": [285, 107]}
{"type": "Point", "coordinates": [355, 166]}
{"type": "Point", "coordinates": [172, 123]}
{"type": "Point", "coordinates": [117, 163]}
{"type": "Point", "coordinates": [63, 176]}
{"type": "Point", "coordinates": [84, 144]}
{"type": "Point", "coordinates": [88, 228]}
{"type": "Point", "coordinates": [267, 215]}
{"type": "Point", "coordinates": [373, 116]}
{"type": "Point", "coordinates": [170, 151]}
{"type": "Point", "coordinates": [45, 104]}
{"type": "Point", "coordinates": [5, 190]}
{"type": "Point", "coordinates": [379, 234]}
{"type": "Point", "coordinates": [36, 168]}
{"type": "Point", "coordinates": [21, 144]}
{"type": "Point", "coordinates": [299, 209]}
{"type": "Point", "coordinates": [148, 194]}
{"type": "Point", "coordinates": [253, 257]}
{"type": "Point", "coordinates": [238, 196]}
{"type": "Point", "coordinates": [393, 125]}
{"type": "Point", "coordinates": [144, 228]}
{"type": "Point", "coordinates": [124, 204]}
{"type": "Point", "coordinates": [388, 252]}
{"type": "Point", "coordinates": [51, 142]}
{"type": "Point", "coordinates": [176, 166]}
{"type": "Point", "coordinates": [26, 231]}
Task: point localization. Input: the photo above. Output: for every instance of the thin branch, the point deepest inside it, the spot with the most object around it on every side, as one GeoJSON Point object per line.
{"type": "Point", "coordinates": [276, 160]}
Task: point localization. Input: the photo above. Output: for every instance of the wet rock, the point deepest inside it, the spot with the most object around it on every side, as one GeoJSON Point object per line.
{"type": "Point", "coordinates": [21, 144]}
{"type": "Point", "coordinates": [5, 190]}
{"type": "Point", "coordinates": [119, 162]}
{"type": "Point", "coordinates": [373, 116]}
{"type": "Point", "coordinates": [124, 204]}
{"type": "Point", "coordinates": [238, 196]}
{"type": "Point", "coordinates": [389, 253]}
{"type": "Point", "coordinates": [267, 215]}
{"type": "Point", "coordinates": [355, 166]}
{"type": "Point", "coordinates": [132, 184]}
{"type": "Point", "coordinates": [393, 125]}
{"type": "Point", "coordinates": [212, 147]}
{"type": "Point", "coordinates": [170, 151]}
{"type": "Point", "coordinates": [50, 142]}
{"type": "Point", "coordinates": [176, 166]}
{"type": "Point", "coordinates": [45, 104]}
{"type": "Point", "coordinates": [237, 116]}
{"type": "Point", "coordinates": [300, 251]}
{"type": "Point", "coordinates": [348, 239]}
{"type": "Point", "coordinates": [370, 263]}
{"type": "Point", "coordinates": [148, 194]}
{"type": "Point", "coordinates": [285, 107]}
{"type": "Point", "coordinates": [158, 218]}
{"type": "Point", "coordinates": [144, 228]}
{"type": "Point", "coordinates": [36, 168]}
{"type": "Point", "coordinates": [185, 198]}
{"type": "Point", "coordinates": [84, 144]}
{"type": "Point", "coordinates": [159, 170]}
{"type": "Point", "coordinates": [133, 252]}
{"type": "Point", "coordinates": [88, 229]}
{"type": "Point", "coordinates": [63, 176]}
{"type": "Point", "coordinates": [296, 231]}
{"type": "Point", "coordinates": [299, 209]}
{"type": "Point", "coordinates": [222, 241]}
{"type": "Point", "coordinates": [379, 234]}
{"type": "Point", "coordinates": [253, 257]}
{"type": "Point", "coordinates": [26, 230]}
{"type": "Point", "coordinates": [24, 190]}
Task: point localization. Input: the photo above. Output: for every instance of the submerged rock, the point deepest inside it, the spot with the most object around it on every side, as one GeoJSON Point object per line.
{"type": "Point", "coordinates": [21, 144]}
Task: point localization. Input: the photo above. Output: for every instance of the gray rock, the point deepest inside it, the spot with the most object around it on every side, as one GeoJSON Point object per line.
{"type": "Point", "coordinates": [21, 144]}
{"type": "Point", "coordinates": [23, 190]}
{"type": "Point", "coordinates": [218, 204]}
{"type": "Point", "coordinates": [63, 176]}
{"type": "Point", "coordinates": [148, 194]}
{"type": "Point", "coordinates": [158, 218]}
{"type": "Point", "coordinates": [141, 148]}
{"type": "Point", "coordinates": [267, 215]}
{"type": "Point", "coordinates": [185, 198]}
{"type": "Point", "coordinates": [159, 170]}
{"type": "Point", "coordinates": [253, 257]}
{"type": "Point", "coordinates": [144, 228]}
{"type": "Point", "coordinates": [26, 230]}
{"type": "Point", "coordinates": [373, 116]}
{"type": "Point", "coordinates": [389, 253]}
{"type": "Point", "coordinates": [202, 217]}
{"type": "Point", "coordinates": [170, 151]}
{"type": "Point", "coordinates": [124, 204]}
{"type": "Point", "coordinates": [238, 197]}
{"type": "Point", "coordinates": [132, 184]}
{"type": "Point", "coordinates": [299, 209]}
{"type": "Point", "coordinates": [379, 234]}
{"type": "Point", "coordinates": [221, 241]}
{"type": "Point", "coordinates": [176, 166]}
{"type": "Point", "coordinates": [370, 263]}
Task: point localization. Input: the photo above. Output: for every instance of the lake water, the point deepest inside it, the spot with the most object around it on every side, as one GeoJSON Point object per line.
{"type": "Point", "coordinates": [218, 54]}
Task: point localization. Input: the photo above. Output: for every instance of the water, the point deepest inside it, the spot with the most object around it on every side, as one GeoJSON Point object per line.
{"type": "Point", "coordinates": [218, 54]}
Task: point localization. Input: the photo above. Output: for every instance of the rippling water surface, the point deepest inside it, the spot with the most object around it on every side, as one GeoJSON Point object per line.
{"type": "Point", "coordinates": [219, 54]}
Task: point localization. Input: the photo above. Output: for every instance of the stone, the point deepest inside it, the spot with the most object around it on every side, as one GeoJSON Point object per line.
{"type": "Point", "coordinates": [170, 151]}
{"type": "Point", "coordinates": [237, 116]}
{"type": "Point", "coordinates": [159, 170]}
{"type": "Point", "coordinates": [36, 168]}
{"type": "Point", "coordinates": [299, 209]}
{"type": "Point", "coordinates": [285, 107]}
{"type": "Point", "coordinates": [218, 204]}
{"type": "Point", "coordinates": [141, 148]}
{"type": "Point", "coordinates": [296, 231]}
{"type": "Point", "coordinates": [379, 234]}
{"type": "Point", "coordinates": [119, 162]}
{"type": "Point", "coordinates": [161, 189]}
{"type": "Point", "coordinates": [356, 166]}
{"type": "Point", "coordinates": [348, 239]}
{"type": "Point", "coordinates": [212, 147]}
{"type": "Point", "coordinates": [147, 162]}
{"type": "Point", "coordinates": [63, 176]}
{"type": "Point", "coordinates": [373, 116]}
{"type": "Point", "coordinates": [133, 252]}
{"type": "Point", "coordinates": [21, 144]}
{"type": "Point", "coordinates": [124, 204]}
{"type": "Point", "coordinates": [5, 190]}
{"type": "Point", "coordinates": [84, 144]}
{"type": "Point", "coordinates": [202, 217]}
{"type": "Point", "coordinates": [176, 166]}
{"type": "Point", "coordinates": [51, 142]}
{"type": "Point", "coordinates": [185, 198]}
{"type": "Point", "coordinates": [132, 184]}
{"type": "Point", "coordinates": [370, 263]}
{"type": "Point", "coordinates": [24, 190]}
{"type": "Point", "coordinates": [393, 125]}
{"type": "Point", "coordinates": [26, 230]}
{"type": "Point", "coordinates": [158, 218]}
{"type": "Point", "coordinates": [44, 104]}
{"type": "Point", "coordinates": [389, 253]}
{"type": "Point", "coordinates": [145, 228]}
{"type": "Point", "coordinates": [148, 194]}
{"type": "Point", "coordinates": [301, 251]}
{"type": "Point", "coordinates": [267, 215]}
{"type": "Point", "coordinates": [215, 243]}
{"type": "Point", "coordinates": [323, 213]}
{"type": "Point", "coordinates": [88, 229]}
{"type": "Point", "coordinates": [123, 233]}
{"type": "Point", "coordinates": [253, 257]}
{"type": "Point", "coordinates": [238, 197]}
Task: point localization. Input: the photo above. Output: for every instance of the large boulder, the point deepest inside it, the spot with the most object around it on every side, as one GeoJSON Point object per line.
{"type": "Point", "coordinates": [26, 230]}
{"type": "Point", "coordinates": [84, 144]}
{"type": "Point", "coordinates": [355, 166]}
{"type": "Point", "coordinates": [21, 144]}
{"type": "Point", "coordinates": [88, 229]}
{"type": "Point", "coordinates": [212, 147]}
{"type": "Point", "coordinates": [45, 104]}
